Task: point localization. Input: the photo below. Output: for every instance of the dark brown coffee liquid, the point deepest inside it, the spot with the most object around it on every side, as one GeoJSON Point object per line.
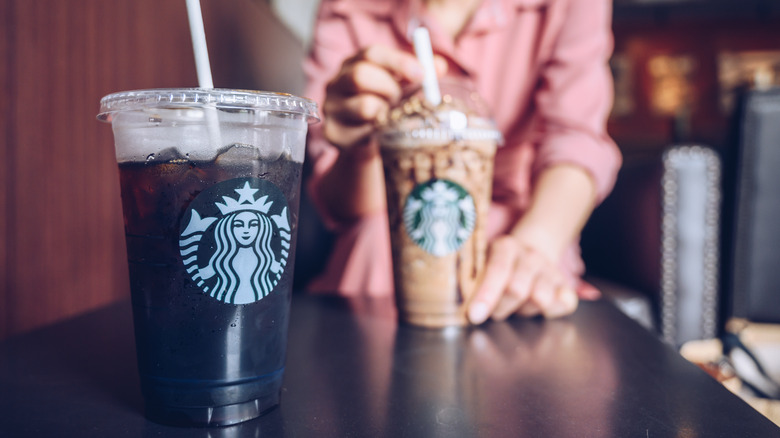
{"type": "Point", "coordinates": [195, 351]}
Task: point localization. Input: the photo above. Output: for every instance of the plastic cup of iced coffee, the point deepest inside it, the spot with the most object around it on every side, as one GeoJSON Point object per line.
{"type": "Point", "coordinates": [210, 185]}
{"type": "Point", "coordinates": [438, 166]}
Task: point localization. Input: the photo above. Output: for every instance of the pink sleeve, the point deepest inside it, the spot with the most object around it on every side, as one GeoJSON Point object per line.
{"type": "Point", "coordinates": [575, 96]}
{"type": "Point", "coordinates": [331, 45]}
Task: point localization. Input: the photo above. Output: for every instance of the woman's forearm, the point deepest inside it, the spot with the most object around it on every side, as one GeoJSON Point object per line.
{"type": "Point", "coordinates": [563, 199]}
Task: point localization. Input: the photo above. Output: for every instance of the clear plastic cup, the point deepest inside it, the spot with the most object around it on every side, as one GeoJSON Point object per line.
{"type": "Point", "coordinates": [210, 183]}
{"type": "Point", "coordinates": [438, 164]}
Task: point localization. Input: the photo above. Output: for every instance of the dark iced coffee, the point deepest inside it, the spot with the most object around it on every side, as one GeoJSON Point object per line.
{"type": "Point", "coordinates": [210, 183]}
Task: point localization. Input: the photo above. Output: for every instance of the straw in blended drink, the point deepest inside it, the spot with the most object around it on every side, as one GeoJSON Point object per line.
{"type": "Point", "coordinates": [424, 52]}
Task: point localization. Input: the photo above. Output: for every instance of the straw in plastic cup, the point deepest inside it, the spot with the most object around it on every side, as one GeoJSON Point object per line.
{"type": "Point", "coordinates": [199, 46]}
{"type": "Point", "coordinates": [424, 52]}
{"type": "Point", "coordinates": [202, 63]}
{"type": "Point", "coordinates": [211, 234]}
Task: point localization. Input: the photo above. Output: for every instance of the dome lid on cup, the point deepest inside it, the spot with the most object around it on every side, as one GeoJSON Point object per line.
{"type": "Point", "coordinates": [461, 115]}
{"type": "Point", "coordinates": [212, 97]}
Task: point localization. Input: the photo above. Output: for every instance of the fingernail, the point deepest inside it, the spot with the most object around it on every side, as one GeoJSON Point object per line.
{"type": "Point", "coordinates": [567, 304]}
{"type": "Point", "coordinates": [478, 312]}
{"type": "Point", "coordinates": [570, 298]}
{"type": "Point", "coordinates": [555, 312]}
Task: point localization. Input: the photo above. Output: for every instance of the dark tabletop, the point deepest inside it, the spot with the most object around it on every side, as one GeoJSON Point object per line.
{"type": "Point", "coordinates": [353, 371]}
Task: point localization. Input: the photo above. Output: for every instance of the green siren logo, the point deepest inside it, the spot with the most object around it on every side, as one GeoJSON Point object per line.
{"type": "Point", "coordinates": [439, 216]}
{"type": "Point", "coordinates": [236, 242]}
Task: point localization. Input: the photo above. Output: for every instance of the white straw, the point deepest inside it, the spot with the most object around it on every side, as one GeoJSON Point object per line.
{"type": "Point", "coordinates": [203, 67]}
{"type": "Point", "coordinates": [199, 44]}
{"type": "Point", "coordinates": [424, 52]}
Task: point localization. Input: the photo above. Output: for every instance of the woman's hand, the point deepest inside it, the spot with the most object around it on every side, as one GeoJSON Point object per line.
{"type": "Point", "coordinates": [520, 278]}
{"type": "Point", "coordinates": [523, 273]}
{"type": "Point", "coordinates": [367, 85]}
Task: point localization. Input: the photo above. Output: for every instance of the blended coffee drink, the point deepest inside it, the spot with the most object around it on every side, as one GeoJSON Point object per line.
{"type": "Point", "coordinates": [210, 183]}
{"type": "Point", "coordinates": [438, 164]}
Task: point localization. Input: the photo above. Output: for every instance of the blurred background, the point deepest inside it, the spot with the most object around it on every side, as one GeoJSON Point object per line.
{"type": "Point", "coordinates": [683, 69]}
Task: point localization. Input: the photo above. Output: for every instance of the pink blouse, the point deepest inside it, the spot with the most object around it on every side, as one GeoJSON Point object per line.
{"type": "Point", "coordinates": [540, 65]}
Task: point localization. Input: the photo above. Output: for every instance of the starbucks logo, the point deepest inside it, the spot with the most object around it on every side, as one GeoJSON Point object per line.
{"type": "Point", "coordinates": [439, 216]}
{"type": "Point", "coordinates": [236, 240]}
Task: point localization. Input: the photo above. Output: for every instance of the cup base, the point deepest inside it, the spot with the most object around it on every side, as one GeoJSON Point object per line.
{"type": "Point", "coordinates": [211, 416]}
{"type": "Point", "coordinates": [434, 320]}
